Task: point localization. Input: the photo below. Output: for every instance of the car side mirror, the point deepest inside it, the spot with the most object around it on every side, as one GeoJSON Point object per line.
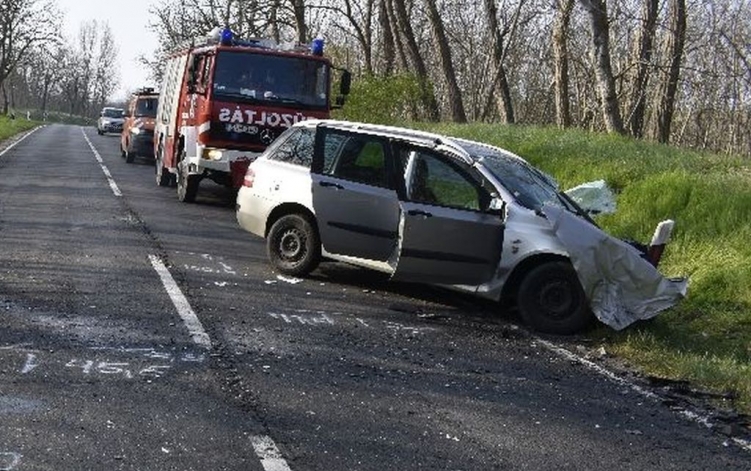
{"type": "Point", "coordinates": [497, 205]}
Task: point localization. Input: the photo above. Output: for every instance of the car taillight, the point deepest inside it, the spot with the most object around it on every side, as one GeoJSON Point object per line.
{"type": "Point", "coordinates": [250, 176]}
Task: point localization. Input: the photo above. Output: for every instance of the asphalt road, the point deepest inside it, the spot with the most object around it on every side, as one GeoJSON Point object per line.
{"type": "Point", "coordinates": [141, 333]}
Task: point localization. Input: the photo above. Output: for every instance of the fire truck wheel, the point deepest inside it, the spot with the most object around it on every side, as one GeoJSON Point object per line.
{"type": "Point", "coordinates": [163, 177]}
{"type": "Point", "coordinates": [187, 185]}
{"type": "Point", "coordinates": [293, 245]}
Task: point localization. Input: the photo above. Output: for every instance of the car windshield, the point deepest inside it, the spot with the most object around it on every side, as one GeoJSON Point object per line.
{"type": "Point", "coordinates": [530, 186]}
{"type": "Point", "coordinates": [146, 108]}
{"type": "Point", "coordinates": [281, 80]}
{"type": "Point", "coordinates": [112, 113]}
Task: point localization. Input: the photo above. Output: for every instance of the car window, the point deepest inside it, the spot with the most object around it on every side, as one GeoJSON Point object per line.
{"type": "Point", "coordinates": [359, 158]}
{"type": "Point", "coordinates": [430, 179]}
{"type": "Point", "coordinates": [297, 148]}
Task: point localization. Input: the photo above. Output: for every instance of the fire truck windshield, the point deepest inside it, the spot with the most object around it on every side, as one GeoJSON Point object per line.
{"type": "Point", "coordinates": [282, 80]}
{"type": "Point", "coordinates": [146, 108]}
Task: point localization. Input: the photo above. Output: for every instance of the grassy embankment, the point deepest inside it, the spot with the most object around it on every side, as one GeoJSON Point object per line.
{"type": "Point", "coordinates": [707, 338]}
{"type": "Point", "coordinates": [10, 127]}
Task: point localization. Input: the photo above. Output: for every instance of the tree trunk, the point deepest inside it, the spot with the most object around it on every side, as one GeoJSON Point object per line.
{"type": "Point", "coordinates": [405, 29]}
{"type": "Point", "coordinates": [456, 105]}
{"type": "Point", "coordinates": [298, 8]}
{"type": "Point", "coordinates": [674, 47]}
{"type": "Point", "coordinates": [387, 35]}
{"type": "Point", "coordinates": [560, 56]}
{"type": "Point", "coordinates": [642, 58]}
{"type": "Point", "coordinates": [505, 105]}
{"type": "Point", "coordinates": [603, 71]}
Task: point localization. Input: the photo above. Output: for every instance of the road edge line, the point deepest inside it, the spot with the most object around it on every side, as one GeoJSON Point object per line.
{"type": "Point", "coordinates": [186, 313]}
{"type": "Point", "coordinates": [17, 141]}
{"type": "Point", "coordinates": [687, 414]}
{"type": "Point", "coordinates": [271, 457]}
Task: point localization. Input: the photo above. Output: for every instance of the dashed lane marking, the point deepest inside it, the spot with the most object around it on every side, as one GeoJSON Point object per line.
{"type": "Point", "coordinates": [106, 171]}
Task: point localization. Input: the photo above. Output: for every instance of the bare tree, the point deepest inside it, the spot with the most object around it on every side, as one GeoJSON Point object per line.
{"type": "Point", "coordinates": [500, 82]}
{"type": "Point", "coordinates": [674, 47]}
{"type": "Point", "coordinates": [642, 58]}
{"type": "Point", "coordinates": [406, 34]}
{"type": "Point", "coordinates": [560, 58]}
{"type": "Point", "coordinates": [611, 113]}
{"type": "Point", "coordinates": [23, 25]}
{"type": "Point", "coordinates": [455, 102]}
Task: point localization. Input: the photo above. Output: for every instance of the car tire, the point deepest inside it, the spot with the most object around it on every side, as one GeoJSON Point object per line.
{"type": "Point", "coordinates": [293, 245]}
{"type": "Point", "coordinates": [122, 151]}
{"type": "Point", "coordinates": [99, 131]}
{"type": "Point", "coordinates": [187, 184]}
{"type": "Point", "coordinates": [551, 300]}
{"type": "Point", "coordinates": [129, 156]}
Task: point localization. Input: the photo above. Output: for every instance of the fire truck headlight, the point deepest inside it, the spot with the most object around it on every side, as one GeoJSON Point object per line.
{"type": "Point", "coordinates": [212, 154]}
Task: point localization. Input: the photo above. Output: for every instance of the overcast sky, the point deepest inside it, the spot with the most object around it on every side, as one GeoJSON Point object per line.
{"type": "Point", "coordinates": [128, 20]}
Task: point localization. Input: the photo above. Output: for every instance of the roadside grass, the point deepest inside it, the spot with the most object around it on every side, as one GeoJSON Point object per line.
{"type": "Point", "coordinates": [706, 339]}
{"type": "Point", "coordinates": [10, 127]}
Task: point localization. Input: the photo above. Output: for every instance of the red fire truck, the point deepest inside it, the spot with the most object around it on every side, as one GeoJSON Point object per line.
{"type": "Point", "coordinates": [224, 100]}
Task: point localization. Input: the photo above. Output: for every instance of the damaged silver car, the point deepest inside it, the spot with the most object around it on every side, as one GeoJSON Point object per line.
{"type": "Point", "coordinates": [434, 209]}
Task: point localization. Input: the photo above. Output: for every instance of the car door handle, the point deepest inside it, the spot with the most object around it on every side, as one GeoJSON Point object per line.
{"type": "Point", "coordinates": [332, 185]}
{"type": "Point", "coordinates": [419, 212]}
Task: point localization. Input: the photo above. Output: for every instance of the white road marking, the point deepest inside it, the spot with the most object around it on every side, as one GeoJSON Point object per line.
{"type": "Point", "coordinates": [271, 458]}
{"type": "Point", "coordinates": [692, 416]}
{"type": "Point", "coordinates": [18, 141]}
{"type": "Point", "coordinates": [199, 336]}
{"type": "Point", "coordinates": [31, 363]}
{"type": "Point", "coordinates": [9, 460]}
{"type": "Point", "coordinates": [106, 171]}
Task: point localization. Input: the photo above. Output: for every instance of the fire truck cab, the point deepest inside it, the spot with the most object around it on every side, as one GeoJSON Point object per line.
{"type": "Point", "coordinates": [224, 100]}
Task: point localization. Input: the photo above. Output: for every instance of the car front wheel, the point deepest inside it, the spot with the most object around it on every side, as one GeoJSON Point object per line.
{"type": "Point", "coordinates": [293, 245]}
{"type": "Point", "coordinates": [551, 300]}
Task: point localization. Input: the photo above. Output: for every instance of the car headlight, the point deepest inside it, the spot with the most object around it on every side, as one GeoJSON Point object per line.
{"type": "Point", "coordinates": [135, 130]}
{"type": "Point", "coordinates": [212, 154]}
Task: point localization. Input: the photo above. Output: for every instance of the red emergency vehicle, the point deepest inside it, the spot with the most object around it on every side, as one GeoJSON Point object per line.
{"type": "Point", "coordinates": [224, 100]}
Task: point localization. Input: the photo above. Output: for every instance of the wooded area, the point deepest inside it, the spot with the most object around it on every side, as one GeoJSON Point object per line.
{"type": "Point", "coordinates": [673, 71]}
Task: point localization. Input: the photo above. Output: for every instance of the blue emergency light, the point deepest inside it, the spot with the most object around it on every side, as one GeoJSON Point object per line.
{"type": "Point", "coordinates": [226, 37]}
{"type": "Point", "coordinates": [316, 47]}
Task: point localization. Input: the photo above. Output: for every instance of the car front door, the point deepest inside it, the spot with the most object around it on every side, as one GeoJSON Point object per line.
{"type": "Point", "coordinates": [447, 233]}
{"type": "Point", "coordinates": [354, 196]}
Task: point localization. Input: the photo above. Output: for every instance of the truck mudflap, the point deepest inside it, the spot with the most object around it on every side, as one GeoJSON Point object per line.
{"type": "Point", "coordinates": [238, 168]}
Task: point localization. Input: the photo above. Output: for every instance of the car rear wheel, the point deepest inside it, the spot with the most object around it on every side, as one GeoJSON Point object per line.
{"type": "Point", "coordinates": [293, 245]}
{"type": "Point", "coordinates": [551, 300]}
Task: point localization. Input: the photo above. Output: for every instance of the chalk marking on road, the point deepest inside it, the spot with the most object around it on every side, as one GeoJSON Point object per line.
{"type": "Point", "coordinates": [692, 416]}
{"type": "Point", "coordinates": [31, 363]}
{"type": "Point", "coordinates": [9, 460]}
{"type": "Point", "coordinates": [2, 152]}
{"type": "Point", "coordinates": [106, 171]}
{"type": "Point", "coordinates": [271, 457]}
{"type": "Point", "coordinates": [195, 328]}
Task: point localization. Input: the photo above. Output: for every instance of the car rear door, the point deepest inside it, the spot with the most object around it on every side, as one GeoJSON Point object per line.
{"type": "Point", "coordinates": [354, 196]}
{"type": "Point", "coordinates": [447, 233]}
